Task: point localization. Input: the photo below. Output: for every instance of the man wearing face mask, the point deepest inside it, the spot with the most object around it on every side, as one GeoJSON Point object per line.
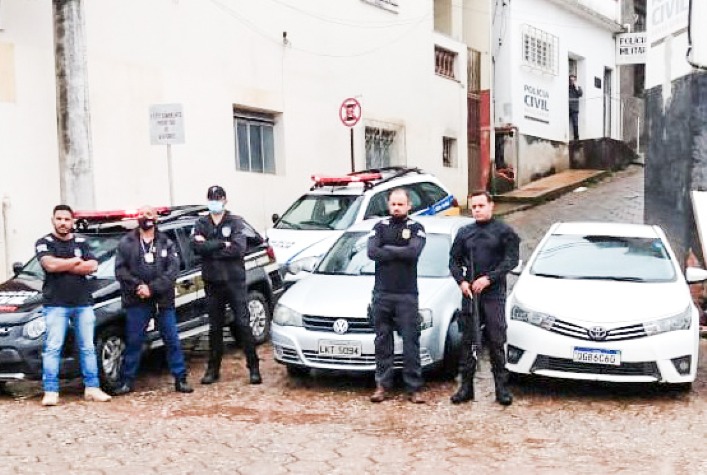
{"type": "Point", "coordinates": [220, 240]}
{"type": "Point", "coordinates": [146, 265]}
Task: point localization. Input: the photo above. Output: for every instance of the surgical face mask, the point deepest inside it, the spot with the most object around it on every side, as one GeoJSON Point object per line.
{"type": "Point", "coordinates": [146, 223]}
{"type": "Point", "coordinates": [215, 206]}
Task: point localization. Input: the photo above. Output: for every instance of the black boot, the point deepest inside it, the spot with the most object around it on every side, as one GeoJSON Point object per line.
{"type": "Point", "coordinates": [182, 386]}
{"type": "Point", "coordinates": [503, 395]}
{"type": "Point", "coordinates": [465, 392]}
{"type": "Point", "coordinates": [255, 377]}
{"type": "Point", "coordinates": [121, 390]}
{"type": "Point", "coordinates": [212, 373]}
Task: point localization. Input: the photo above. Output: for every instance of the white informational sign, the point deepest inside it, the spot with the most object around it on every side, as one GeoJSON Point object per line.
{"type": "Point", "coordinates": [166, 124]}
{"type": "Point", "coordinates": [665, 17]}
{"type": "Point", "coordinates": [698, 35]}
{"type": "Point", "coordinates": [631, 48]}
{"type": "Point", "coordinates": [536, 103]}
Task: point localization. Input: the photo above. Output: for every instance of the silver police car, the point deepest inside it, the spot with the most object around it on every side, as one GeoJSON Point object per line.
{"type": "Point", "coordinates": [323, 321]}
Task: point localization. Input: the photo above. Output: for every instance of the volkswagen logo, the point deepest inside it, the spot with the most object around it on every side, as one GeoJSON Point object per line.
{"type": "Point", "coordinates": [341, 326]}
{"type": "Point", "coordinates": [597, 333]}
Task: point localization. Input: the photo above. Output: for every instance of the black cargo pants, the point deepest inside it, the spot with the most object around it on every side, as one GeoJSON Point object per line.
{"type": "Point", "coordinates": [492, 319]}
{"type": "Point", "coordinates": [397, 312]}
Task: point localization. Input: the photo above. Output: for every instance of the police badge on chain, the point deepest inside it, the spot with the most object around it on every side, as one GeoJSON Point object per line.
{"type": "Point", "coordinates": [406, 233]}
{"type": "Point", "coordinates": [226, 231]}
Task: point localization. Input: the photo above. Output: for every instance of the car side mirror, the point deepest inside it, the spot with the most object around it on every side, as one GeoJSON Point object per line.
{"type": "Point", "coordinates": [275, 218]}
{"type": "Point", "coordinates": [694, 275]}
{"type": "Point", "coordinates": [518, 269]}
{"type": "Point", "coordinates": [17, 267]}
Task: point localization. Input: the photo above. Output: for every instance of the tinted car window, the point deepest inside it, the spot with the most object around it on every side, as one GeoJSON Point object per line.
{"type": "Point", "coordinates": [378, 206]}
{"type": "Point", "coordinates": [321, 212]}
{"type": "Point", "coordinates": [432, 191]}
{"type": "Point", "coordinates": [349, 256]}
{"type": "Point", "coordinates": [604, 258]}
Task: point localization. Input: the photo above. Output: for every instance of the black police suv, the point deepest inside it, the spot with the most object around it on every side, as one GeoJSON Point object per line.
{"type": "Point", "coordinates": [22, 326]}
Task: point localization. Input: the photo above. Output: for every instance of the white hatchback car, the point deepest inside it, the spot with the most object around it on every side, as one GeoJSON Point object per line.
{"type": "Point", "coordinates": [322, 321]}
{"type": "Point", "coordinates": [604, 302]}
{"type": "Point", "coordinates": [312, 223]}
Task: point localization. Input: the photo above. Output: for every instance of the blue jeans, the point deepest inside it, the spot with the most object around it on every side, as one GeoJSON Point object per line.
{"type": "Point", "coordinates": [83, 321]}
{"type": "Point", "coordinates": [136, 322]}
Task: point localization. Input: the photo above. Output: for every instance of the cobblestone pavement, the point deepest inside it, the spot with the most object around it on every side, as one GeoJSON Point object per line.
{"type": "Point", "coordinates": [325, 424]}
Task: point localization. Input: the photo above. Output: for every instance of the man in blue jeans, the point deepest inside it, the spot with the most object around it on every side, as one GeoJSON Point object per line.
{"type": "Point", "coordinates": [67, 260]}
{"type": "Point", "coordinates": [146, 265]}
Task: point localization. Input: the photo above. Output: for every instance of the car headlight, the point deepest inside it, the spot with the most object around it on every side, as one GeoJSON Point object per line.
{"type": "Point", "coordinates": [681, 321]}
{"type": "Point", "coordinates": [534, 318]}
{"type": "Point", "coordinates": [306, 264]}
{"type": "Point", "coordinates": [35, 328]}
{"type": "Point", "coordinates": [285, 316]}
{"type": "Point", "coordinates": [425, 318]}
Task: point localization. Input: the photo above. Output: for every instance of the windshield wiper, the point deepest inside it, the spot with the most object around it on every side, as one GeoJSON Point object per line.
{"type": "Point", "coordinates": [550, 276]}
{"type": "Point", "coordinates": [611, 277]}
{"type": "Point", "coordinates": [291, 225]}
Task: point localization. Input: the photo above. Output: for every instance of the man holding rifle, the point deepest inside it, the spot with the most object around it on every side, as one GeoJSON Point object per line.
{"type": "Point", "coordinates": [481, 256]}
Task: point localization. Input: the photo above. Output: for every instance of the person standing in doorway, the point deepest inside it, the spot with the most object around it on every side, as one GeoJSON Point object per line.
{"type": "Point", "coordinates": [220, 240]}
{"type": "Point", "coordinates": [395, 246]}
{"type": "Point", "coordinates": [146, 265]}
{"type": "Point", "coordinates": [575, 92]}
{"type": "Point", "coordinates": [67, 261]}
{"type": "Point", "coordinates": [482, 254]}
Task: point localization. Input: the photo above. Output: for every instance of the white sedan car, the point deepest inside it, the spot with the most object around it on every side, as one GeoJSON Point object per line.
{"type": "Point", "coordinates": [604, 302]}
{"type": "Point", "coordinates": [322, 321]}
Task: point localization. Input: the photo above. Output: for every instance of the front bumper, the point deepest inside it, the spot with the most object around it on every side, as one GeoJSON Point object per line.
{"type": "Point", "coordinates": [646, 359]}
{"type": "Point", "coordinates": [300, 347]}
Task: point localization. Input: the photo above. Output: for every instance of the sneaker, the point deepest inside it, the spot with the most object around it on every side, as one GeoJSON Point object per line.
{"type": "Point", "coordinates": [95, 395]}
{"type": "Point", "coordinates": [50, 399]}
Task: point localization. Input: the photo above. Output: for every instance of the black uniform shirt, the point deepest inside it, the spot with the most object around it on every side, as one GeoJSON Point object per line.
{"type": "Point", "coordinates": [64, 289]}
{"type": "Point", "coordinates": [491, 248]}
{"type": "Point", "coordinates": [221, 263]}
{"type": "Point", "coordinates": [395, 246]}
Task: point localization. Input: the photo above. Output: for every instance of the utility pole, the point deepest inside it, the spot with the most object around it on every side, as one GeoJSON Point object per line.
{"type": "Point", "coordinates": [73, 112]}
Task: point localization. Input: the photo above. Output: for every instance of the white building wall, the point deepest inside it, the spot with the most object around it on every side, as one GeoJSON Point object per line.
{"type": "Point", "coordinates": [29, 168]}
{"type": "Point", "coordinates": [515, 84]}
{"type": "Point", "coordinates": [209, 56]}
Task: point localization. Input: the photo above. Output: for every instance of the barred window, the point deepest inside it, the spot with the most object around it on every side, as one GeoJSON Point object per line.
{"type": "Point", "coordinates": [540, 50]}
{"type": "Point", "coordinates": [379, 147]}
{"type": "Point", "coordinates": [255, 149]}
{"type": "Point", "coordinates": [445, 62]}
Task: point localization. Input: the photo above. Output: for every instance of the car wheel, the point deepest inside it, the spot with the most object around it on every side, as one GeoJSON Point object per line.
{"type": "Point", "coordinates": [259, 317]}
{"type": "Point", "coordinates": [110, 345]}
{"type": "Point", "coordinates": [296, 371]}
{"type": "Point", "coordinates": [452, 349]}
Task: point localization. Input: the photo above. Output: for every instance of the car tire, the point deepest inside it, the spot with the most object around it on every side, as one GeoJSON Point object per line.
{"type": "Point", "coordinates": [259, 316]}
{"type": "Point", "coordinates": [110, 346]}
{"type": "Point", "coordinates": [452, 349]}
{"type": "Point", "coordinates": [296, 371]}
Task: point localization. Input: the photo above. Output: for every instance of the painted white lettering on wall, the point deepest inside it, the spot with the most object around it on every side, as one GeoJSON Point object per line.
{"type": "Point", "coordinates": [536, 101]}
{"type": "Point", "coordinates": [666, 17]}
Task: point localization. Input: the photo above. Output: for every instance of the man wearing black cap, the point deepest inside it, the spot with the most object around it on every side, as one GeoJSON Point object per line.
{"type": "Point", "coordinates": [220, 241]}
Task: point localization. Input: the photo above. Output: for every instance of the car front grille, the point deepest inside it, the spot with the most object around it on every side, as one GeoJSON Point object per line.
{"type": "Point", "coordinates": [647, 368]}
{"type": "Point", "coordinates": [365, 359]}
{"type": "Point", "coordinates": [614, 334]}
{"type": "Point", "coordinates": [326, 324]}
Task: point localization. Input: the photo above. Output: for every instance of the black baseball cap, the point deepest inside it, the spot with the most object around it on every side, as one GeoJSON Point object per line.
{"type": "Point", "coordinates": [215, 193]}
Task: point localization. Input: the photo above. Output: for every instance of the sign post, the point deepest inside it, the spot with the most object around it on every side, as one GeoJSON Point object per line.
{"type": "Point", "coordinates": [167, 128]}
{"type": "Point", "coordinates": [350, 114]}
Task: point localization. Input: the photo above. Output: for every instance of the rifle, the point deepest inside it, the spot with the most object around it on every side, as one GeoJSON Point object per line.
{"type": "Point", "coordinates": [475, 325]}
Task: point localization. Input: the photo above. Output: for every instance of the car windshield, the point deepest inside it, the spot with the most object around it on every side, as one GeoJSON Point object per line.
{"type": "Point", "coordinates": [103, 248]}
{"type": "Point", "coordinates": [631, 259]}
{"type": "Point", "coordinates": [321, 212]}
{"type": "Point", "coordinates": [349, 256]}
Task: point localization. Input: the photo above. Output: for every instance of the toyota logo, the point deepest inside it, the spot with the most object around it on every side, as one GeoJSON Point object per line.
{"type": "Point", "coordinates": [597, 333]}
{"type": "Point", "coordinates": [341, 326]}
